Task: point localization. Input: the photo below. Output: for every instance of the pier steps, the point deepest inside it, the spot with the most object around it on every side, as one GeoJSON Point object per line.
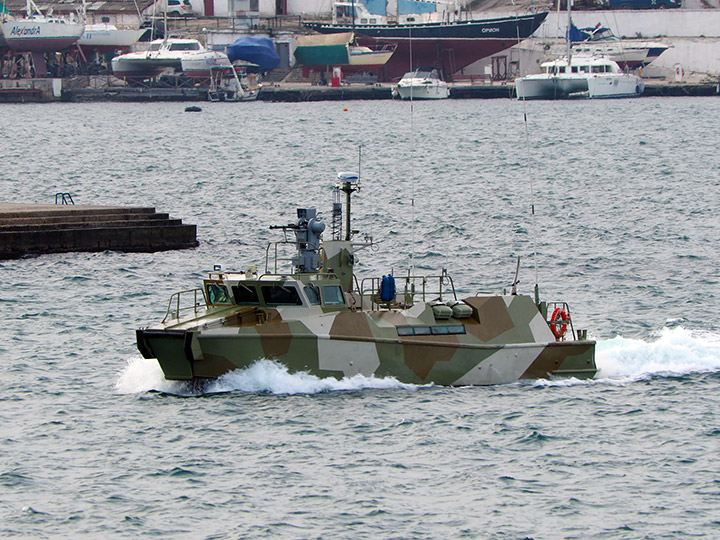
{"type": "Point", "coordinates": [36, 229]}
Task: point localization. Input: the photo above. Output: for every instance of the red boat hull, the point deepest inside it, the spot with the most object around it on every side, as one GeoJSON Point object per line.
{"type": "Point", "coordinates": [448, 47]}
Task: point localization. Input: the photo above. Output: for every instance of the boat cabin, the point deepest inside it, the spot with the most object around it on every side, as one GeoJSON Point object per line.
{"type": "Point", "coordinates": [273, 291]}
{"type": "Point", "coordinates": [580, 64]}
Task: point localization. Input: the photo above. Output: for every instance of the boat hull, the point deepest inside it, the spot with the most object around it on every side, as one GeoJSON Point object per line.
{"type": "Point", "coordinates": [141, 67]}
{"type": "Point", "coordinates": [628, 54]}
{"type": "Point", "coordinates": [422, 91]}
{"type": "Point", "coordinates": [447, 46]}
{"type": "Point", "coordinates": [199, 65]}
{"type": "Point", "coordinates": [549, 87]}
{"type": "Point", "coordinates": [413, 361]}
{"type": "Point", "coordinates": [593, 87]}
{"type": "Point", "coordinates": [615, 87]}
{"type": "Point", "coordinates": [104, 38]}
{"type": "Point", "coordinates": [39, 36]}
{"type": "Point", "coordinates": [369, 60]}
{"type": "Point", "coordinates": [505, 339]}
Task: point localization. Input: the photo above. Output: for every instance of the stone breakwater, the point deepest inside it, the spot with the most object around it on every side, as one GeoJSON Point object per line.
{"type": "Point", "coordinates": [31, 229]}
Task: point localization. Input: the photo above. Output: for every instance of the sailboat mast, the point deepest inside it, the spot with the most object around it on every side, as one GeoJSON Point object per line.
{"type": "Point", "coordinates": [567, 32]}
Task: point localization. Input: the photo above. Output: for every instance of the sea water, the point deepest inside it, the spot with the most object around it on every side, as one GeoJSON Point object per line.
{"type": "Point", "coordinates": [96, 443]}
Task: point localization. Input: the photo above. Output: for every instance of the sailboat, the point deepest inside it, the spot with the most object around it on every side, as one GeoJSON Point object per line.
{"type": "Point", "coordinates": [41, 33]}
{"type": "Point", "coordinates": [587, 75]}
{"type": "Point", "coordinates": [449, 44]}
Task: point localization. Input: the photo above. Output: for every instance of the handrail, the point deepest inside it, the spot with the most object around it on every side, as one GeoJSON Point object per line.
{"type": "Point", "coordinates": [445, 287]}
{"type": "Point", "coordinates": [64, 198]}
{"type": "Point", "coordinates": [286, 259]}
{"type": "Point", "coordinates": [175, 312]}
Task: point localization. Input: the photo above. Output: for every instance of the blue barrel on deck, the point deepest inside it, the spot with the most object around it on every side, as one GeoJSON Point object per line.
{"type": "Point", "coordinates": [387, 288]}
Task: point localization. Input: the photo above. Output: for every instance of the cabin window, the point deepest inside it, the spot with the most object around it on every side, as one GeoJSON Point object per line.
{"type": "Point", "coordinates": [333, 295]}
{"type": "Point", "coordinates": [245, 295]}
{"type": "Point", "coordinates": [313, 294]}
{"type": "Point", "coordinates": [218, 294]}
{"type": "Point", "coordinates": [278, 295]}
{"type": "Point", "coordinates": [561, 69]}
{"type": "Point", "coordinates": [444, 330]}
{"type": "Point", "coordinates": [105, 19]}
{"type": "Point", "coordinates": [574, 69]}
{"type": "Point", "coordinates": [184, 47]}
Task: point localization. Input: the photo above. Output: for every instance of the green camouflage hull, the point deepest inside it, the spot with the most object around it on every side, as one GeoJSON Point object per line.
{"type": "Point", "coordinates": [505, 339]}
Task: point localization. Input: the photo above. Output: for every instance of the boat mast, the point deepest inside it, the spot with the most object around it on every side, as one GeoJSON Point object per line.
{"type": "Point", "coordinates": [567, 32]}
{"type": "Point", "coordinates": [348, 188]}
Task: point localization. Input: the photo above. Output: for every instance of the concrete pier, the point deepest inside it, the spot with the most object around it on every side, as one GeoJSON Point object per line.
{"type": "Point", "coordinates": [296, 92]}
{"type": "Point", "coordinates": [27, 229]}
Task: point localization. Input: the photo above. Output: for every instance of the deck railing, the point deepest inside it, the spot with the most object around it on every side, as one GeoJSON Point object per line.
{"type": "Point", "coordinates": [178, 304]}
{"type": "Point", "coordinates": [426, 288]}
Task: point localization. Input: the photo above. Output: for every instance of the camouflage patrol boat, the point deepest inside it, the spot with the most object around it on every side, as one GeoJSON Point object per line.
{"type": "Point", "coordinates": [320, 318]}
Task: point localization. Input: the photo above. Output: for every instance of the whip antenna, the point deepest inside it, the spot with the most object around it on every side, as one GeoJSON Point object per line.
{"type": "Point", "coordinates": [532, 188]}
{"type": "Point", "coordinates": [412, 165]}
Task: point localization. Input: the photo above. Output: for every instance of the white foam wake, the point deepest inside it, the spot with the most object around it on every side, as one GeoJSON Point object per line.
{"type": "Point", "coordinates": [264, 376]}
{"type": "Point", "coordinates": [675, 351]}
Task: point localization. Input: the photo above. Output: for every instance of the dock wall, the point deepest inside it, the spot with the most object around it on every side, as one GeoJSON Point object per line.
{"type": "Point", "coordinates": [27, 229]}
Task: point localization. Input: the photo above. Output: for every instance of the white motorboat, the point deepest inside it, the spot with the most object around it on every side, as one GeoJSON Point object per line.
{"type": "Point", "coordinates": [39, 33]}
{"type": "Point", "coordinates": [163, 54]}
{"type": "Point", "coordinates": [106, 37]}
{"type": "Point", "coordinates": [423, 83]}
{"type": "Point", "coordinates": [581, 76]}
{"type": "Point", "coordinates": [199, 65]}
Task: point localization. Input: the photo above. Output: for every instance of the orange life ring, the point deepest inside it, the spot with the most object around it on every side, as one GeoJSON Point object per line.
{"type": "Point", "coordinates": [558, 322]}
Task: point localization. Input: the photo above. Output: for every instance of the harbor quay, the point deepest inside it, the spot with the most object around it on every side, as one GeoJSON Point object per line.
{"type": "Point", "coordinates": [99, 88]}
{"type": "Point", "coordinates": [34, 229]}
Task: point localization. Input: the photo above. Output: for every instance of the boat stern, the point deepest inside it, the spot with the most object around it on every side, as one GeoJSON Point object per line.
{"type": "Point", "coordinates": [171, 348]}
{"type": "Point", "coordinates": [568, 359]}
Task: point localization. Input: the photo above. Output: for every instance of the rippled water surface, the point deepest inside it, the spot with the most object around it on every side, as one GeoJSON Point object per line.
{"type": "Point", "coordinates": [95, 443]}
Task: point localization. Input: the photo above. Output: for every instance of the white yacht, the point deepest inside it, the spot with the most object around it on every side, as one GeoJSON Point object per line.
{"type": "Point", "coordinates": [581, 76]}
{"type": "Point", "coordinates": [628, 53]}
{"type": "Point", "coordinates": [163, 54]}
{"type": "Point", "coordinates": [38, 32]}
{"type": "Point", "coordinates": [423, 83]}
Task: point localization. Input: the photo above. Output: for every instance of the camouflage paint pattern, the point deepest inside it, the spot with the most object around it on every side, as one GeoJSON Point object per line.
{"type": "Point", "coordinates": [319, 319]}
{"type": "Point", "coordinates": [506, 338]}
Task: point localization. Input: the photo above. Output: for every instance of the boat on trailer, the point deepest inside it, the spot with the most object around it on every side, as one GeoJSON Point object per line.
{"type": "Point", "coordinates": [318, 317]}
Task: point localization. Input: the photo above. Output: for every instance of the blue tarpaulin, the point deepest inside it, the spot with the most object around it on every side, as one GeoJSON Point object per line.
{"type": "Point", "coordinates": [584, 34]}
{"type": "Point", "coordinates": [255, 49]}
